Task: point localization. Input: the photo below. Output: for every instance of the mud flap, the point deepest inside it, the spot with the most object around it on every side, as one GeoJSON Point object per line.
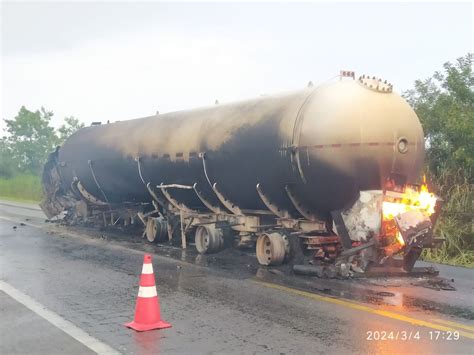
{"type": "Point", "coordinates": [416, 230]}
{"type": "Point", "coordinates": [341, 229]}
{"type": "Point", "coordinates": [410, 258]}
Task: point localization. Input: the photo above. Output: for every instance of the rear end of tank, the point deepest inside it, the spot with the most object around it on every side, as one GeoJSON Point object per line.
{"type": "Point", "coordinates": [360, 154]}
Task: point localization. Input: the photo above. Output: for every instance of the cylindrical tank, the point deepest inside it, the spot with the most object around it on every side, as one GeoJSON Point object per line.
{"type": "Point", "coordinates": [325, 143]}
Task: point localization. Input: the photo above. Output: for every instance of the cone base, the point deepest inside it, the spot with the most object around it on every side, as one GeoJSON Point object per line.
{"type": "Point", "coordinates": [144, 327]}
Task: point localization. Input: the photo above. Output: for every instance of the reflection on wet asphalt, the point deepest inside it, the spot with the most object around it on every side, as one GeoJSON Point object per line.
{"type": "Point", "coordinates": [213, 301]}
{"type": "Point", "coordinates": [396, 291]}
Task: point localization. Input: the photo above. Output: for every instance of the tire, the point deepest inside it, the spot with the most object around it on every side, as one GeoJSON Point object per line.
{"type": "Point", "coordinates": [209, 239]}
{"type": "Point", "coordinates": [272, 249]}
{"type": "Point", "coordinates": [156, 230]}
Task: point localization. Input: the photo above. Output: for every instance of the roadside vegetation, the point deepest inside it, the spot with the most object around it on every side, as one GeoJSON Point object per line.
{"type": "Point", "coordinates": [23, 150]}
{"type": "Point", "coordinates": [21, 187]}
{"type": "Point", "coordinates": [444, 103]}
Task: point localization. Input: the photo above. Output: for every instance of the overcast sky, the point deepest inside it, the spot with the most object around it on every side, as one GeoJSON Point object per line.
{"type": "Point", "coordinates": [113, 61]}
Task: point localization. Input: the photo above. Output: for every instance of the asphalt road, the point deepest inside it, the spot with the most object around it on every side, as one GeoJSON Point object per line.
{"type": "Point", "coordinates": [70, 291]}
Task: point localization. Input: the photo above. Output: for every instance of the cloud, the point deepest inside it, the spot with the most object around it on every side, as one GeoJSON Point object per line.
{"type": "Point", "coordinates": [133, 74]}
{"type": "Point", "coordinates": [102, 61]}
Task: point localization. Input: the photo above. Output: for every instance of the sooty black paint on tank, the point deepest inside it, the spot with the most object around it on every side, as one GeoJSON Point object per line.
{"type": "Point", "coordinates": [323, 144]}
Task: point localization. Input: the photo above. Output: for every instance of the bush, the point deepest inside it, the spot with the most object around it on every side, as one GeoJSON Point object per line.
{"type": "Point", "coordinates": [22, 187]}
{"type": "Point", "coordinates": [444, 103]}
{"type": "Point", "coordinates": [456, 222]}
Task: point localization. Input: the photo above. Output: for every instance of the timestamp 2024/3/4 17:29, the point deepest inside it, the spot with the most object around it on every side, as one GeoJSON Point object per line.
{"type": "Point", "coordinates": [384, 335]}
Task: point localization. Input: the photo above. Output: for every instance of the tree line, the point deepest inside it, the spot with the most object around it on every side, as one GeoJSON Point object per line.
{"type": "Point", "coordinates": [444, 103]}
{"type": "Point", "coordinates": [29, 139]}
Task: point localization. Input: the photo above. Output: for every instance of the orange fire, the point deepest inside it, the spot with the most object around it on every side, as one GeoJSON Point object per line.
{"type": "Point", "coordinates": [411, 199]}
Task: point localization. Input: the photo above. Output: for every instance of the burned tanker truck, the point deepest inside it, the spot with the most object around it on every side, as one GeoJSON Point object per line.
{"type": "Point", "coordinates": [326, 173]}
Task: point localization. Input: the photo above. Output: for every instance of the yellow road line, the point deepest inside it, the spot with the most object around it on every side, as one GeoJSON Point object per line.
{"type": "Point", "coordinates": [367, 309]}
{"type": "Point", "coordinates": [454, 324]}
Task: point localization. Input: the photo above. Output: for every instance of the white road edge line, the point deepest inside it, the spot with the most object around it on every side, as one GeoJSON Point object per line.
{"type": "Point", "coordinates": [59, 322]}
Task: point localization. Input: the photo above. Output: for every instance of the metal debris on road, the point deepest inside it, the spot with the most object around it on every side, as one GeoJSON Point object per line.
{"type": "Point", "coordinates": [437, 284]}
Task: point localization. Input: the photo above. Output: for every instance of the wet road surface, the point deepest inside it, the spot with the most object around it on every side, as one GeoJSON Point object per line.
{"type": "Point", "coordinates": [24, 332]}
{"type": "Point", "coordinates": [223, 303]}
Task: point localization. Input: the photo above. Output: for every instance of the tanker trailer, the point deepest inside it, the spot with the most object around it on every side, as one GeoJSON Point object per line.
{"type": "Point", "coordinates": [325, 170]}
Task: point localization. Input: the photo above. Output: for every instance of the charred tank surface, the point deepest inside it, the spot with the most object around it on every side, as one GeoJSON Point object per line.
{"type": "Point", "coordinates": [268, 169]}
{"type": "Point", "coordinates": [325, 143]}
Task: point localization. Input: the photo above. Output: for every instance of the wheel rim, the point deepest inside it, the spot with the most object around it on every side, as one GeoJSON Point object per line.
{"type": "Point", "coordinates": [208, 239]}
{"type": "Point", "coordinates": [151, 230]}
{"type": "Point", "coordinates": [156, 230]}
{"type": "Point", "coordinates": [271, 249]}
{"type": "Point", "coordinates": [202, 239]}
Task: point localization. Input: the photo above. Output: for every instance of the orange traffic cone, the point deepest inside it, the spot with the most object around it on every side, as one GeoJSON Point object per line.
{"type": "Point", "coordinates": [147, 311]}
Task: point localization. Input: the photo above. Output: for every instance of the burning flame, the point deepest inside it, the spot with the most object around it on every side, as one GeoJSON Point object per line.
{"type": "Point", "coordinates": [400, 239]}
{"type": "Point", "coordinates": [412, 199]}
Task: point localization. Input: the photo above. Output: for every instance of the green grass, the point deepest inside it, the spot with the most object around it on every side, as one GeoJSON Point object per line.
{"type": "Point", "coordinates": [456, 223]}
{"type": "Point", "coordinates": [458, 236]}
{"type": "Point", "coordinates": [21, 187]}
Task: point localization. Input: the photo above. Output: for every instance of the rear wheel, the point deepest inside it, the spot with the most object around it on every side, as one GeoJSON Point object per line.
{"type": "Point", "coordinates": [209, 239]}
{"type": "Point", "coordinates": [272, 248]}
{"type": "Point", "coordinates": [156, 230]}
